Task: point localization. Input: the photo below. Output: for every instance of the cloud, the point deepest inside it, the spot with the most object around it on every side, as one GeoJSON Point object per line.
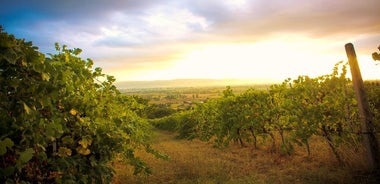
{"type": "Point", "coordinates": [153, 25]}
{"type": "Point", "coordinates": [51, 19]}
{"type": "Point", "coordinates": [320, 16]}
{"type": "Point", "coordinates": [102, 23]}
{"type": "Point", "coordinates": [135, 33]}
{"type": "Point", "coordinates": [146, 22]}
{"type": "Point", "coordinates": [174, 23]}
{"type": "Point", "coordinates": [318, 19]}
{"type": "Point", "coordinates": [75, 10]}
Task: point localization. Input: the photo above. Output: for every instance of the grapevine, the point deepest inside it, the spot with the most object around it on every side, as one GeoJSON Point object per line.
{"type": "Point", "coordinates": [294, 110]}
{"type": "Point", "coordinates": [62, 120]}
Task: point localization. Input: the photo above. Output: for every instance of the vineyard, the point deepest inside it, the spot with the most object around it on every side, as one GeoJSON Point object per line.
{"type": "Point", "coordinates": [287, 114]}
{"type": "Point", "coordinates": [294, 111]}
{"type": "Point", "coordinates": [63, 121]}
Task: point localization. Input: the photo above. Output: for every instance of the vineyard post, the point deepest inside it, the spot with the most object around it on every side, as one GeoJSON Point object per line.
{"type": "Point", "coordinates": [367, 125]}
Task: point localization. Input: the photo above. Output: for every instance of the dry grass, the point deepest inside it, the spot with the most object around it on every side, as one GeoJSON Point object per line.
{"type": "Point", "coordinates": [198, 162]}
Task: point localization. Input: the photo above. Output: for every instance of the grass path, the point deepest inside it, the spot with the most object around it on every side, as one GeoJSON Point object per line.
{"type": "Point", "coordinates": [198, 162]}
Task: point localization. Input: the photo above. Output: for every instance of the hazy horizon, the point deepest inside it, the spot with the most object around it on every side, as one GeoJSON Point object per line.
{"type": "Point", "coordinates": [179, 83]}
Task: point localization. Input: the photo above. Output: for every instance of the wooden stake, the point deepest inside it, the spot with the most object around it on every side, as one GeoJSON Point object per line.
{"type": "Point", "coordinates": [370, 140]}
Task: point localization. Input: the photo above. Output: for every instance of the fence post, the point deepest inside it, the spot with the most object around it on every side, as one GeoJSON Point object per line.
{"type": "Point", "coordinates": [370, 141]}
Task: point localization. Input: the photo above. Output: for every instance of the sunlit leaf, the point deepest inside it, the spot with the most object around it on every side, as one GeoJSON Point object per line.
{"type": "Point", "coordinates": [45, 76]}
{"type": "Point", "coordinates": [83, 151]}
{"type": "Point", "coordinates": [85, 141]}
{"type": "Point", "coordinates": [64, 152]}
{"type": "Point", "coordinates": [73, 112]}
{"type": "Point", "coordinates": [27, 108]}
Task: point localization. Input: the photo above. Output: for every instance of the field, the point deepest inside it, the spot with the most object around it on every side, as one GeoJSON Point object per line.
{"type": "Point", "coordinates": [181, 97]}
{"type": "Point", "coordinates": [194, 161]}
{"type": "Point", "coordinates": [198, 162]}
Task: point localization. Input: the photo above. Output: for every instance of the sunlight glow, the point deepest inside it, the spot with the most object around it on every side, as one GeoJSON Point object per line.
{"type": "Point", "coordinates": [264, 61]}
{"type": "Point", "coordinates": [272, 59]}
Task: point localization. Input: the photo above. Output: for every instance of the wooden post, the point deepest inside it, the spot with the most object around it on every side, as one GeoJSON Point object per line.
{"type": "Point", "coordinates": [370, 140]}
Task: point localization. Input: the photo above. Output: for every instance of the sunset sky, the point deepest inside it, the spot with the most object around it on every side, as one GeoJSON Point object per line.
{"type": "Point", "coordinates": [262, 40]}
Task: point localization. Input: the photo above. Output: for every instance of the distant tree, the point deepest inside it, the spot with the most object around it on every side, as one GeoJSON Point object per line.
{"type": "Point", "coordinates": [228, 92]}
{"type": "Point", "coordinates": [158, 111]}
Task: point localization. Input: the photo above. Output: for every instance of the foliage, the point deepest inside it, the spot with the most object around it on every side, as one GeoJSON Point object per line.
{"type": "Point", "coordinates": [158, 111]}
{"type": "Point", "coordinates": [373, 91]}
{"type": "Point", "coordinates": [62, 121]}
{"type": "Point", "coordinates": [376, 55]}
{"type": "Point", "coordinates": [170, 123]}
{"type": "Point", "coordinates": [294, 110]}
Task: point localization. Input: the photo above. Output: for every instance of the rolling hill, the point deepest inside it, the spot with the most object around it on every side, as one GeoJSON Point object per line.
{"type": "Point", "coordinates": [178, 83]}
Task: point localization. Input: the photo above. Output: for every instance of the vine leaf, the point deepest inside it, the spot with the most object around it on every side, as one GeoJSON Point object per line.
{"type": "Point", "coordinates": [85, 142]}
{"type": "Point", "coordinates": [45, 76]}
{"type": "Point", "coordinates": [83, 151]}
{"type": "Point", "coordinates": [73, 112]}
{"type": "Point", "coordinates": [25, 156]}
{"type": "Point", "coordinates": [64, 152]}
{"type": "Point", "coordinates": [4, 144]}
{"type": "Point", "coordinates": [27, 108]}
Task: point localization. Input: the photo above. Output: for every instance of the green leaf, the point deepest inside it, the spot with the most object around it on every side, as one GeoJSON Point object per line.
{"type": "Point", "coordinates": [4, 144]}
{"type": "Point", "coordinates": [57, 47]}
{"type": "Point", "coordinates": [85, 142]}
{"type": "Point", "coordinates": [67, 140]}
{"type": "Point", "coordinates": [8, 171]}
{"type": "Point", "coordinates": [25, 156]}
{"type": "Point", "coordinates": [64, 152]}
{"type": "Point", "coordinates": [77, 51]}
{"type": "Point", "coordinates": [53, 130]}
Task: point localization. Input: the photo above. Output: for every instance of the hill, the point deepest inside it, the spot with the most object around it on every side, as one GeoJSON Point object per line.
{"type": "Point", "coordinates": [179, 83]}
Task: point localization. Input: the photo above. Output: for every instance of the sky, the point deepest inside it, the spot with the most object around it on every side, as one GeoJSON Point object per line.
{"type": "Point", "coordinates": [262, 40]}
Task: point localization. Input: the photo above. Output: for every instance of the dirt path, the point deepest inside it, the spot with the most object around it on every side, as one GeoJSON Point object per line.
{"type": "Point", "coordinates": [198, 162]}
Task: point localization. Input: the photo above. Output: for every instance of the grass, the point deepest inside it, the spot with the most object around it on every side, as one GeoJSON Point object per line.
{"type": "Point", "coordinates": [198, 162]}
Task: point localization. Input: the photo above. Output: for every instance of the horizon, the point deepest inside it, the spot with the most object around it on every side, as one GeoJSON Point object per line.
{"type": "Point", "coordinates": [184, 83]}
{"type": "Point", "coordinates": [178, 83]}
{"type": "Point", "coordinates": [166, 40]}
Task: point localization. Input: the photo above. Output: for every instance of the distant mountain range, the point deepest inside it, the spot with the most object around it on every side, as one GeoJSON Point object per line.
{"type": "Point", "coordinates": [178, 83]}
